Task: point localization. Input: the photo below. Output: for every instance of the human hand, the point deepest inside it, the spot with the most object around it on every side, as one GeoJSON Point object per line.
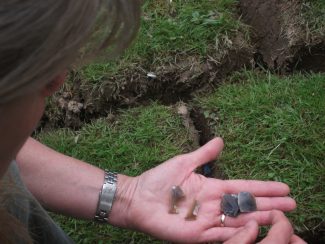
{"type": "Point", "coordinates": [149, 199]}
{"type": "Point", "coordinates": [281, 232]}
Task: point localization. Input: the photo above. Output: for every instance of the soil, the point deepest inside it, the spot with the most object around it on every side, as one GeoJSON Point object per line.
{"type": "Point", "coordinates": [201, 124]}
{"type": "Point", "coordinates": [265, 19]}
{"type": "Point", "coordinates": [311, 59]}
{"type": "Point", "coordinates": [168, 83]}
{"type": "Point", "coordinates": [280, 38]}
{"type": "Point", "coordinates": [279, 44]}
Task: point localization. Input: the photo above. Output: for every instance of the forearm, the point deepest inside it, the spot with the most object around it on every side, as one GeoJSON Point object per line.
{"type": "Point", "coordinates": [67, 185]}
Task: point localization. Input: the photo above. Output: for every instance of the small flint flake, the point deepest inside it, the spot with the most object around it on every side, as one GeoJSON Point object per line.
{"type": "Point", "coordinates": [194, 210]}
{"type": "Point", "coordinates": [232, 204]}
{"type": "Point", "coordinates": [176, 194]}
{"type": "Point", "coordinates": [229, 205]}
{"type": "Point", "coordinates": [246, 202]}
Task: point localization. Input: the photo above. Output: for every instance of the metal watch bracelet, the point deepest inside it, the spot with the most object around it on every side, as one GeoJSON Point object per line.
{"type": "Point", "coordinates": [106, 197]}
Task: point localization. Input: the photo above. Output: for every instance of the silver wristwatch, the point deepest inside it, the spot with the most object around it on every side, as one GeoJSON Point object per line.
{"type": "Point", "coordinates": [106, 197]}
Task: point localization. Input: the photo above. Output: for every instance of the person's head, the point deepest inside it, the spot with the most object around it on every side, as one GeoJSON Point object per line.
{"type": "Point", "coordinates": [39, 39]}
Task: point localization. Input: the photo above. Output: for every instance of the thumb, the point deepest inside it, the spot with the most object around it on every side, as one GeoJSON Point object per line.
{"type": "Point", "coordinates": [247, 234]}
{"type": "Point", "coordinates": [206, 153]}
{"type": "Point", "coordinates": [297, 240]}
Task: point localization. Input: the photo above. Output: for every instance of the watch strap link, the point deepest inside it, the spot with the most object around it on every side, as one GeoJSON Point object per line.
{"type": "Point", "coordinates": [106, 197]}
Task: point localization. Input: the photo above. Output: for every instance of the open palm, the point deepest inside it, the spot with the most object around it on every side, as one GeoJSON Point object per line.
{"type": "Point", "coordinates": [149, 210]}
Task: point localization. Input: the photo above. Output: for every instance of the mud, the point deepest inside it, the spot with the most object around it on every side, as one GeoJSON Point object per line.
{"type": "Point", "coordinates": [280, 38]}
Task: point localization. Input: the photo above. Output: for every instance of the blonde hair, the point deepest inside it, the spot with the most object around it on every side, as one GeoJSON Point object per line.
{"type": "Point", "coordinates": [41, 38]}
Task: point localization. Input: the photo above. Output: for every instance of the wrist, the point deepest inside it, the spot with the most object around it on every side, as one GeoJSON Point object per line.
{"type": "Point", "coordinates": [120, 212]}
{"type": "Point", "coordinates": [106, 197]}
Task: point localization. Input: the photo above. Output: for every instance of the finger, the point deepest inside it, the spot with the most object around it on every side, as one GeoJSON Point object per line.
{"type": "Point", "coordinates": [257, 188]}
{"type": "Point", "coordinates": [206, 153]}
{"type": "Point", "coordinates": [248, 234]}
{"type": "Point", "coordinates": [261, 217]}
{"type": "Point", "coordinates": [280, 203]}
{"type": "Point", "coordinates": [297, 240]}
{"type": "Point", "coordinates": [218, 234]}
{"type": "Point", "coordinates": [281, 230]}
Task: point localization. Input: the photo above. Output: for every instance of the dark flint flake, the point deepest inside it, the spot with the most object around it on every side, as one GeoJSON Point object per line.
{"type": "Point", "coordinates": [246, 202]}
{"type": "Point", "coordinates": [229, 205]}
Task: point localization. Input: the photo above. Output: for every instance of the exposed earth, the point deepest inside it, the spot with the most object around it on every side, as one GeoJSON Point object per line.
{"type": "Point", "coordinates": [278, 43]}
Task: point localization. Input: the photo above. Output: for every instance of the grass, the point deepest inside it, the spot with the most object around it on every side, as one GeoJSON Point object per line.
{"type": "Point", "coordinates": [313, 13]}
{"type": "Point", "coordinates": [173, 38]}
{"type": "Point", "coordinates": [273, 128]}
{"type": "Point", "coordinates": [138, 140]}
{"type": "Point", "coordinates": [192, 27]}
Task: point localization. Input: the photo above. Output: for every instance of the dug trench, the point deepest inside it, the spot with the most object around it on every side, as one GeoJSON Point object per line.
{"type": "Point", "coordinates": [81, 102]}
{"type": "Point", "coordinates": [281, 38]}
{"type": "Point", "coordinates": [200, 132]}
{"type": "Point", "coordinates": [278, 44]}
